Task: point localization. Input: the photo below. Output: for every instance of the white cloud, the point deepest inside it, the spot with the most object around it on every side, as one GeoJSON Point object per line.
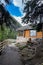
{"type": "Point", "coordinates": [19, 20]}
{"type": "Point", "coordinates": [2, 1]}
{"type": "Point", "coordinates": [19, 4]}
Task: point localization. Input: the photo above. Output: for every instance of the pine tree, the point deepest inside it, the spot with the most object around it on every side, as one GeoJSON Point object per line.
{"type": "Point", "coordinates": [34, 14]}
{"type": "Point", "coordinates": [6, 18]}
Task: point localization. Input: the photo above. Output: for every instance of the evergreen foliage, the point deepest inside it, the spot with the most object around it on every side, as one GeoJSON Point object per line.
{"type": "Point", "coordinates": [8, 24]}
{"type": "Point", "coordinates": [34, 13]}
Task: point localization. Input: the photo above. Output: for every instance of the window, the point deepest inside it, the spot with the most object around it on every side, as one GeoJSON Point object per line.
{"type": "Point", "coordinates": [32, 32]}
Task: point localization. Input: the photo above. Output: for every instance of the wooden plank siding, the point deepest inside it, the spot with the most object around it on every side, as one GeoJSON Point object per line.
{"type": "Point", "coordinates": [27, 34]}
{"type": "Point", "coordinates": [39, 34]}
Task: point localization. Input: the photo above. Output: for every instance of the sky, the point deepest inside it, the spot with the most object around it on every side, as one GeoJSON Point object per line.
{"type": "Point", "coordinates": [15, 8]}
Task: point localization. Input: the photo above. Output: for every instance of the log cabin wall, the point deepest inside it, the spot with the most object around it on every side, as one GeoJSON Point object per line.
{"type": "Point", "coordinates": [27, 34]}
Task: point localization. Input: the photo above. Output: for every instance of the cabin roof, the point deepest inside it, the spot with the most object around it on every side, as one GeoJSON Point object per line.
{"type": "Point", "coordinates": [25, 28]}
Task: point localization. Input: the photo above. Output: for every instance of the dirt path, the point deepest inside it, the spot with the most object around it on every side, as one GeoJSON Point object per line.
{"type": "Point", "coordinates": [10, 56]}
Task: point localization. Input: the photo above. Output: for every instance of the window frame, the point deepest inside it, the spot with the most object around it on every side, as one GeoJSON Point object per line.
{"type": "Point", "coordinates": [34, 33]}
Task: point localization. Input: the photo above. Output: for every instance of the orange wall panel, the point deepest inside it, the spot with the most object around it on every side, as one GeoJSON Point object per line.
{"type": "Point", "coordinates": [27, 34]}
{"type": "Point", "coordinates": [39, 34]}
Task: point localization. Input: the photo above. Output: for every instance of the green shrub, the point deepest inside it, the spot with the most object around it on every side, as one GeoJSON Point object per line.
{"type": "Point", "coordinates": [7, 33]}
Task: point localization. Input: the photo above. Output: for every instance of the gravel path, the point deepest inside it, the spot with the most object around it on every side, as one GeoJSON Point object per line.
{"type": "Point", "coordinates": [10, 56]}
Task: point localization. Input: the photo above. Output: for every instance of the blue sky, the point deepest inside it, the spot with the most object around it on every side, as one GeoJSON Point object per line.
{"type": "Point", "coordinates": [14, 10]}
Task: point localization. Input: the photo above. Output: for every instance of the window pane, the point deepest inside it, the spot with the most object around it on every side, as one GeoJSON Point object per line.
{"type": "Point", "coordinates": [32, 32]}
